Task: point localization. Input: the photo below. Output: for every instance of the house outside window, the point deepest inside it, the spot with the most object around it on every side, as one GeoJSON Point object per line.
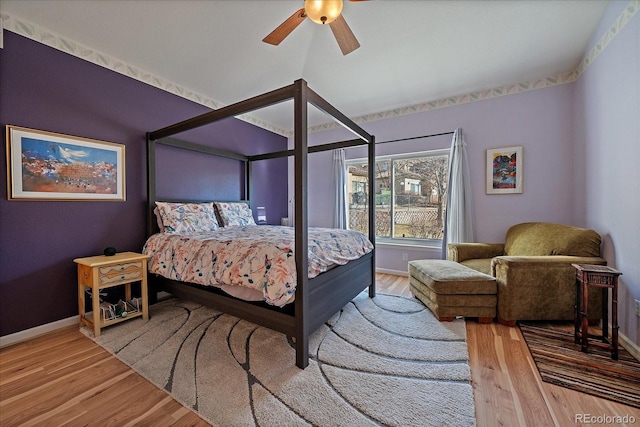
{"type": "Point", "coordinates": [410, 197]}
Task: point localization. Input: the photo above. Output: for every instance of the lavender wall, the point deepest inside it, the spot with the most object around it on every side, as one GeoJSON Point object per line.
{"type": "Point", "coordinates": [607, 147]}
{"type": "Point", "coordinates": [539, 120]}
{"type": "Point", "coordinates": [43, 88]}
{"type": "Point", "coordinates": [581, 155]}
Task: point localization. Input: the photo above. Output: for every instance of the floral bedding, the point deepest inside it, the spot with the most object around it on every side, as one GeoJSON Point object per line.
{"type": "Point", "coordinates": [260, 257]}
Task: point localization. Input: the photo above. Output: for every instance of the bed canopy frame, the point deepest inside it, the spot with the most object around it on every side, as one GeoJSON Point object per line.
{"type": "Point", "coordinates": [317, 299]}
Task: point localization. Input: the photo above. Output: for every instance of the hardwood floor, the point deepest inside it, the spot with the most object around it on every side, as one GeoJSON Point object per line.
{"type": "Point", "coordinates": [63, 378]}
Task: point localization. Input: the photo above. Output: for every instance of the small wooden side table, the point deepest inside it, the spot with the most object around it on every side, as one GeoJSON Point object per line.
{"type": "Point", "coordinates": [605, 278]}
{"type": "Point", "coordinates": [100, 272]}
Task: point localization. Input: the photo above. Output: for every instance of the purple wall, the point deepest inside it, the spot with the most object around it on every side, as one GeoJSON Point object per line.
{"type": "Point", "coordinates": [43, 88]}
{"type": "Point", "coordinates": [607, 149]}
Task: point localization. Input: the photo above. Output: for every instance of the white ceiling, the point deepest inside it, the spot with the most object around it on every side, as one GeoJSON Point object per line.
{"type": "Point", "coordinates": [411, 52]}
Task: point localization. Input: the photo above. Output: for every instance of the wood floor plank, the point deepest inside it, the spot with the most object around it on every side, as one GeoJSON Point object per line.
{"type": "Point", "coordinates": [26, 348]}
{"type": "Point", "coordinates": [63, 378]}
{"type": "Point", "coordinates": [40, 379]}
{"type": "Point", "coordinates": [526, 389]}
{"type": "Point", "coordinates": [113, 403]}
{"type": "Point", "coordinates": [60, 398]}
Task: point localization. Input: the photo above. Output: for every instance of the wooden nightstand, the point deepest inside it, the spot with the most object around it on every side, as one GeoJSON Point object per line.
{"type": "Point", "coordinates": [100, 272]}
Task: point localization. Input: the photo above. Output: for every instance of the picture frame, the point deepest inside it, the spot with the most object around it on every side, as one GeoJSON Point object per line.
{"type": "Point", "coordinates": [44, 165]}
{"type": "Point", "coordinates": [504, 170]}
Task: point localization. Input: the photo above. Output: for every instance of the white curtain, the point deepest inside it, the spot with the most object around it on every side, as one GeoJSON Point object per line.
{"type": "Point", "coordinates": [459, 214]}
{"type": "Point", "coordinates": [340, 186]}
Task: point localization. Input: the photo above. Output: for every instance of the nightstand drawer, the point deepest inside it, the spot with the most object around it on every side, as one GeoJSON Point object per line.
{"type": "Point", "coordinates": [125, 273]}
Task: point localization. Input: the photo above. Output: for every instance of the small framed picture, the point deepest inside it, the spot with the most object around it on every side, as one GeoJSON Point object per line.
{"type": "Point", "coordinates": [50, 166]}
{"type": "Point", "coordinates": [504, 170]}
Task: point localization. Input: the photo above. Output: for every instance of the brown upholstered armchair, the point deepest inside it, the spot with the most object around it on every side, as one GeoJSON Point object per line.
{"type": "Point", "coordinates": [533, 269]}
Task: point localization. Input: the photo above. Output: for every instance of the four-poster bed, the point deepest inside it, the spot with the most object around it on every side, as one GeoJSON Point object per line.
{"type": "Point", "coordinates": [316, 299]}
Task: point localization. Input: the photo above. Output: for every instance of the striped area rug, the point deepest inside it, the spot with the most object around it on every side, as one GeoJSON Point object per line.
{"type": "Point", "coordinates": [560, 361]}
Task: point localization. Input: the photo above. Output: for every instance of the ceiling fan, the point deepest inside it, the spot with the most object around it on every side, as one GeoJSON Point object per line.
{"type": "Point", "coordinates": [320, 12]}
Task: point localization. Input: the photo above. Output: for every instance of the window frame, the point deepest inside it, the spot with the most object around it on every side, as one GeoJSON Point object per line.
{"type": "Point", "coordinates": [404, 241]}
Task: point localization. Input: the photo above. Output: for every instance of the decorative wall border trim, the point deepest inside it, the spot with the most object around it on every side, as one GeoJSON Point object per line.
{"type": "Point", "coordinates": [56, 41]}
{"type": "Point", "coordinates": [480, 95]}
{"type": "Point", "coordinates": [39, 34]}
{"type": "Point", "coordinates": [632, 8]}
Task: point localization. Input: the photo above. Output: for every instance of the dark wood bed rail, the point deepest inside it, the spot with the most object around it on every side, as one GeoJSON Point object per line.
{"type": "Point", "coordinates": [302, 95]}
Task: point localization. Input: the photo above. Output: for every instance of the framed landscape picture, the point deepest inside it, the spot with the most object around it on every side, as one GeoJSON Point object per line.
{"type": "Point", "coordinates": [504, 170]}
{"type": "Point", "coordinates": [44, 165]}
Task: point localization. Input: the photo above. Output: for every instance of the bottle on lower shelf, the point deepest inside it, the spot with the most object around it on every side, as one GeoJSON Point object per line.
{"type": "Point", "coordinates": [123, 308]}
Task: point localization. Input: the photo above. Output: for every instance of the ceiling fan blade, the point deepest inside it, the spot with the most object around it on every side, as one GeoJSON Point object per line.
{"type": "Point", "coordinates": [284, 29]}
{"type": "Point", "coordinates": [344, 36]}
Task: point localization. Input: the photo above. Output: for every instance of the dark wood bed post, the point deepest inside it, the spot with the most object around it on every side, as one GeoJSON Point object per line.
{"type": "Point", "coordinates": [301, 221]}
{"type": "Point", "coordinates": [152, 292]}
{"type": "Point", "coordinates": [248, 185]}
{"type": "Point", "coordinates": [151, 184]}
{"type": "Point", "coordinates": [372, 210]}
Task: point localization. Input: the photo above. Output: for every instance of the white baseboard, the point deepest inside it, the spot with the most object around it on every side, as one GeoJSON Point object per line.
{"type": "Point", "coordinates": [394, 272]}
{"type": "Point", "coordinates": [10, 339]}
{"type": "Point", "coordinates": [630, 346]}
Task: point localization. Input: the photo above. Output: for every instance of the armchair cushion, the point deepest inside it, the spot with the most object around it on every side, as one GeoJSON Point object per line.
{"type": "Point", "coordinates": [539, 239]}
{"type": "Point", "coordinates": [483, 265]}
{"type": "Point", "coordinates": [475, 255]}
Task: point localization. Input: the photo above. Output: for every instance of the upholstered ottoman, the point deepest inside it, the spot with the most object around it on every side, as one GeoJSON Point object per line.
{"type": "Point", "coordinates": [451, 289]}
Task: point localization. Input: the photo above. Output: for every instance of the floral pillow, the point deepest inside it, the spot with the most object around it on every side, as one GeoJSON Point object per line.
{"type": "Point", "coordinates": [187, 217]}
{"type": "Point", "coordinates": [156, 212]}
{"type": "Point", "coordinates": [237, 213]}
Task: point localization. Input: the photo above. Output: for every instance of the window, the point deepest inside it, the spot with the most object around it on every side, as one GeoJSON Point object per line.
{"type": "Point", "coordinates": [359, 186]}
{"type": "Point", "coordinates": [410, 196]}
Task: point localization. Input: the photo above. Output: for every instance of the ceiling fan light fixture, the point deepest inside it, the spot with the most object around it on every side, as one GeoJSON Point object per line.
{"type": "Point", "coordinates": [323, 11]}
